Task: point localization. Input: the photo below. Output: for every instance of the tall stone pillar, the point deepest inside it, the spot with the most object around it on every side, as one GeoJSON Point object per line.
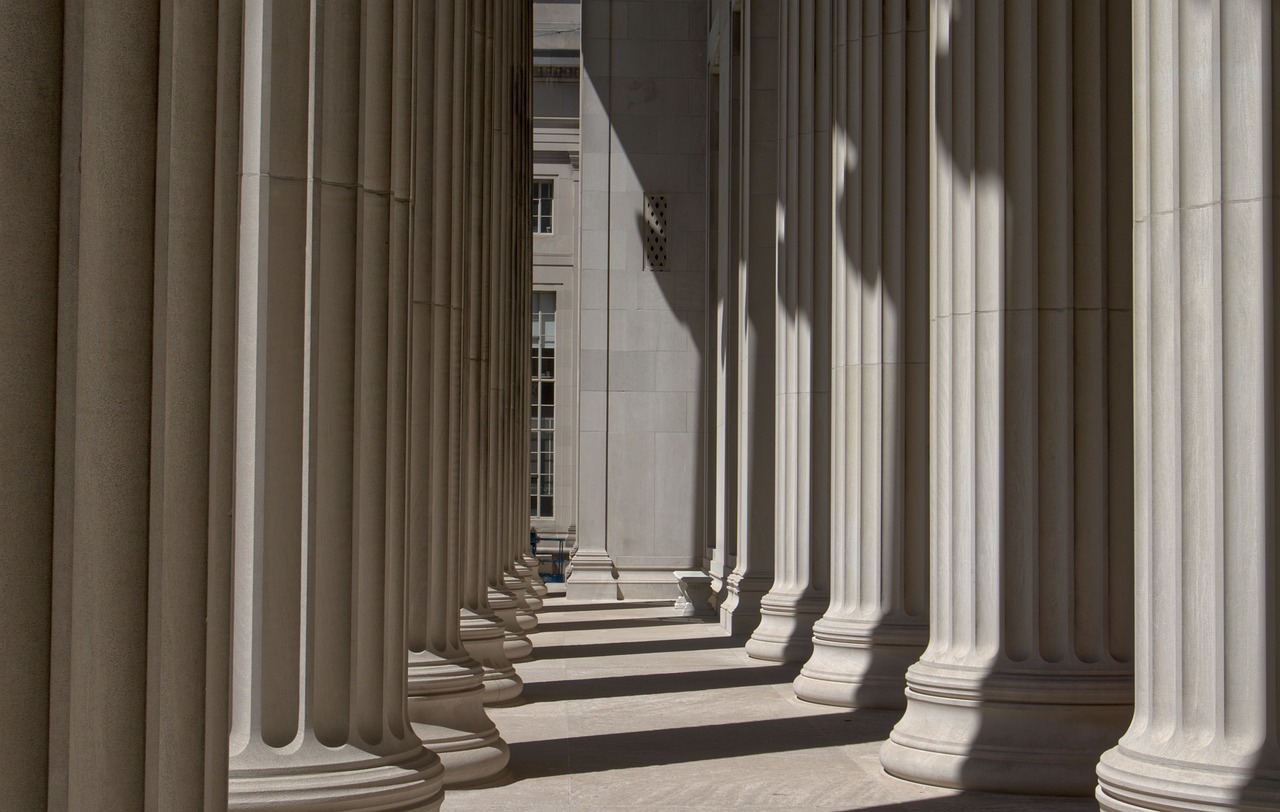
{"type": "Point", "coordinates": [877, 623]}
{"type": "Point", "coordinates": [495, 501]}
{"type": "Point", "coordinates": [755, 298]}
{"type": "Point", "coordinates": [722, 365]}
{"type": "Point", "coordinates": [521, 175]}
{"type": "Point", "coordinates": [318, 711]}
{"type": "Point", "coordinates": [511, 355]}
{"type": "Point", "coordinates": [30, 93]}
{"type": "Point", "coordinates": [446, 692]}
{"type": "Point", "coordinates": [802, 514]}
{"type": "Point", "coordinates": [1026, 678]}
{"type": "Point", "coordinates": [592, 575]}
{"type": "Point", "coordinates": [1204, 734]}
{"type": "Point", "coordinates": [483, 631]}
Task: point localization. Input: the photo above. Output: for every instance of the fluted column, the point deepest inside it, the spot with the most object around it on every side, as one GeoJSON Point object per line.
{"type": "Point", "coordinates": [1204, 734]}
{"type": "Point", "coordinates": [318, 712]}
{"type": "Point", "coordinates": [30, 92]}
{"type": "Point", "coordinates": [483, 631]}
{"type": "Point", "coordinates": [803, 323]}
{"type": "Point", "coordinates": [521, 176]}
{"type": "Point", "coordinates": [754, 302]}
{"type": "Point", "coordinates": [1027, 675]}
{"type": "Point", "coordinates": [445, 684]}
{"type": "Point", "coordinates": [510, 470]}
{"type": "Point", "coordinates": [495, 499]}
{"type": "Point", "coordinates": [877, 623]}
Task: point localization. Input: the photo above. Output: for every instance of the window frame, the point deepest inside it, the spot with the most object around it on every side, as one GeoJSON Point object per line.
{"type": "Point", "coordinates": [543, 209]}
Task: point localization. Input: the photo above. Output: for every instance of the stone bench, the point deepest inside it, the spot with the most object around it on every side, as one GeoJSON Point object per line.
{"type": "Point", "coordinates": [695, 594]}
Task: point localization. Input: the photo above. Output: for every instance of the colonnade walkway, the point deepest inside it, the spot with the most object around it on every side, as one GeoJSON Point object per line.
{"type": "Point", "coordinates": [626, 706]}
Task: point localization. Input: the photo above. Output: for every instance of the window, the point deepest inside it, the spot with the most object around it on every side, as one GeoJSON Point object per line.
{"type": "Point", "coordinates": [542, 408]}
{"type": "Point", "coordinates": [542, 193]}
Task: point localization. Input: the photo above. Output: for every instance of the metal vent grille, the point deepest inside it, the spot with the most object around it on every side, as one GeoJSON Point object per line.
{"type": "Point", "coordinates": [655, 233]}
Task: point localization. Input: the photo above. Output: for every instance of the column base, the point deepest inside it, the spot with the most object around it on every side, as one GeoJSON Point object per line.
{"type": "Point", "coordinates": [316, 777]}
{"type": "Point", "coordinates": [446, 708]}
{"type": "Point", "coordinates": [593, 578]}
{"type": "Point", "coordinates": [525, 600]}
{"type": "Point", "coordinates": [856, 664]}
{"type": "Point", "coordinates": [514, 643]}
{"type": "Point", "coordinates": [1032, 734]}
{"type": "Point", "coordinates": [719, 573]}
{"type": "Point", "coordinates": [526, 596]}
{"type": "Point", "coordinates": [1132, 781]}
{"type": "Point", "coordinates": [785, 633]}
{"type": "Point", "coordinates": [535, 580]}
{"type": "Point", "coordinates": [483, 636]}
{"type": "Point", "coordinates": [740, 612]}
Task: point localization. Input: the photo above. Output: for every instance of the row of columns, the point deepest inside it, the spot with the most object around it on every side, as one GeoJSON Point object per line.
{"type": "Point", "coordinates": [264, 403]}
{"type": "Point", "coordinates": [1020, 422]}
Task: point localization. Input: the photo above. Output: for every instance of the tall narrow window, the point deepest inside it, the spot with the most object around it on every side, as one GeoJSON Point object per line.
{"type": "Point", "coordinates": [542, 194]}
{"type": "Point", "coordinates": [542, 409]}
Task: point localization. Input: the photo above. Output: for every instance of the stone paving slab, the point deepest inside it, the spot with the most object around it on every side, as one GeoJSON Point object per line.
{"type": "Point", "coordinates": [628, 707]}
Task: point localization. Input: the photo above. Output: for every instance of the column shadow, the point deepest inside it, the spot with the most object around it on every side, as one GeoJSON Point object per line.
{"type": "Point", "coordinates": [650, 748]}
{"type": "Point", "coordinates": [665, 683]}
{"type": "Point", "coordinates": [605, 625]}
{"type": "Point", "coordinates": [550, 606]}
{"type": "Point", "coordinates": [562, 652]}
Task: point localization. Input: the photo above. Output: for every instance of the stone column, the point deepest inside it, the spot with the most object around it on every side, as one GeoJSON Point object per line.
{"type": "Point", "coordinates": [495, 500]}
{"type": "Point", "coordinates": [803, 339]}
{"type": "Point", "coordinates": [446, 692]}
{"type": "Point", "coordinates": [521, 174]}
{"type": "Point", "coordinates": [318, 712]}
{"type": "Point", "coordinates": [592, 574]}
{"type": "Point", "coordinates": [30, 93]}
{"type": "Point", "coordinates": [1027, 675]}
{"type": "Point", "coordinates": [755, 299]}
{"type": "Point", "coordinates": [877, 623]}
{"type": "Point", "coordinates": [512, 356]}
{"type": "Point", "coordinates": [483, 631]}
{"type": "Point", "coordinates": [722, 365]}
{"type": "Point", "coordinates": [1207, 693]}
{"type": "Point", "coordinates": [98, 701]}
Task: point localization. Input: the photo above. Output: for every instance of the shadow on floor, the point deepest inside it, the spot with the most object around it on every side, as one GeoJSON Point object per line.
{"type": "Point", "coordinates": [626, 623]}
{"type": "Point", "coordinates": [649, 684]}
{"type": "Point", "coordinates": [553, 604]}
{"type": "Point", "coordinates": [562, 652]}
{"type": "Point", "coordinates": [983, 802]}
{"type": "Point", "coordinates": [651, 748]}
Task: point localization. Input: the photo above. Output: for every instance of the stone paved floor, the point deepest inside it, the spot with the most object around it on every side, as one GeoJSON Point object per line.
{"type": "Point", "coordinates": [626, 707]}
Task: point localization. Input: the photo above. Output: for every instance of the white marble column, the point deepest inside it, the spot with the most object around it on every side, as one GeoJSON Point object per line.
{"type": "Point", "coordinates": [1027, 677]}
{"type": "Point", "coordinates": [1204, 734]}
{"type": "Point", "coordinates": [877, 623]}
{"type": "Point", "coordinates": [755, 298]}
{"type": "Point", "coordinates": [803, 336]}
{"type": "Point", "coordinates": [318, 710]}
